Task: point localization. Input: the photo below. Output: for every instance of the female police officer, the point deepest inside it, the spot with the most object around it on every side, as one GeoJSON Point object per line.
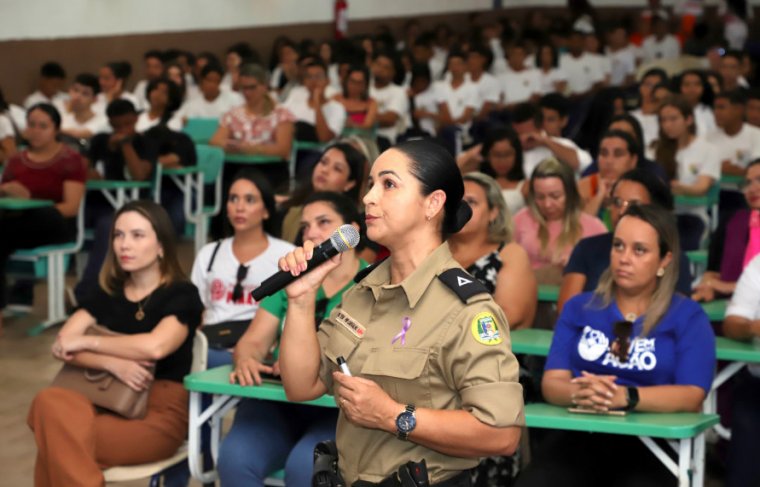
{"type": "Point", "coordinates": [433, 374]}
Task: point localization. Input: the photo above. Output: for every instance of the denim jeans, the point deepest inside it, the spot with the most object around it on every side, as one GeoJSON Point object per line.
{"type": "Point", "coordinates": [267, 436]}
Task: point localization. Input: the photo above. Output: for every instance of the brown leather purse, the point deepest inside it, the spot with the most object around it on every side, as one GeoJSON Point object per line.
{"type": "Point", "coordinates": [103, 388]}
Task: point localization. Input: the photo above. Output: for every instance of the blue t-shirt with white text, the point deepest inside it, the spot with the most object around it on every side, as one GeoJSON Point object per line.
{"type": "Point", "coordinates": [680, 350]}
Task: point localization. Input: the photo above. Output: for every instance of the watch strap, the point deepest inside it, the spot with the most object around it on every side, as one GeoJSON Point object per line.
{"type": "Point", "coordinates": [404, 435]}
{"type": "Point", "coordinates": [632, 398]}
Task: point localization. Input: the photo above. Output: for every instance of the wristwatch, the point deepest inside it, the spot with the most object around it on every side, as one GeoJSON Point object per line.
{"type": "Point", "coordinates": [631, 398]}
{"type": "Point", "coordinates": [406, 422]}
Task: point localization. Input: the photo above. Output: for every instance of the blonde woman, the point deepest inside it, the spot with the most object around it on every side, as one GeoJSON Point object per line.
{"type": "Point", "coordinates": [554, 221]}
{"type": "Point", "coordinates": [260, 127]}
{"type": "Point", "coordinates": [484, 247]}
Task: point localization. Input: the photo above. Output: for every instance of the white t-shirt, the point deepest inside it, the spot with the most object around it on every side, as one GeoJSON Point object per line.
{"type": "Point", "coordinates": [457, 99]}
{"type": "Point", "coordinates": [499, 64]}
{"type": "Point", "coordinates": [37, 97]}
{"type": "Point", "coordinates": [667, 48]}
{"type": "Point", "coordinates": [519, 86]}
{"type": "Point", "coordinates": [215, 287]}
{"type": "Point", "coordinates": [199, 107]}
{"type": "Point", "coordinates": [6, 127]}
{"type": "Point", "coordinates": [18, 116]}
{"type": "Point", "coordinates": [534, 157]}
{"type": "Point", "coordinates": [391, 98]}
{"type": "Point", "coordinates": [101, 104]}
{"type": "Point", "coordinates": [744, 302]}
{"type": "Point", "coordinates": [144, 122]}
{"type": "Point", "coordinates": [514, 198]}
{"type": "Point", "coordinates": [426, 100]}
{"type": "Point", "coordinates": [140, 95]}
{"type": "Point", "coordinates": [603, 64]}
{"type": "Point", "coordinates": [704, 120]}
{"type": "Point", "coordinates": [700, 158]}
{"type": "Point", "coordinates": [582, 72]}
{"type": "Point", "coordinates": [550, 78]}
{"type": "Point", "coordinates": [333, 111]}
{"type": "Point", "coordinates": [95, 125]}
{"type": "Point", "coordinates": [488, 89]}
{"type": "Point", "coordinates": [740, 149]}
{"type": "Point", "coordinates": [622, 63]}
{"type": "Point", "coordinates": [650, 126]}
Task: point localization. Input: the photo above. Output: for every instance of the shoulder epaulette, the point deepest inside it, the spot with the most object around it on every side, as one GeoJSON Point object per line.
{"type": "Point", "coordinates": [365, 272]}
{"type": "Point", "coordinates": [463, 284]}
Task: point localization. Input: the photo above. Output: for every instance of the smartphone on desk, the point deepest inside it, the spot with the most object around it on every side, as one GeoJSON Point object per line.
{"type": "Point", "coordinates": [612, 412]}
{"type": "Point", "coordinates": [270, 378]}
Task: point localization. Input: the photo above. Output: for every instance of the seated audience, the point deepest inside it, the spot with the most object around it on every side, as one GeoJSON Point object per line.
{"type": "Point", "coordinates": [661, 44]}
{"type": "Point", "coordinates": [143, 295]}
{"type": "Point", "coordinates": [340, 169]}
{"type": "Point", "coordinates": [457, 100]}
{"type": "Point", "coordinates": [743, 323]}
{"type": "Point", "coordinates": [78, 120]}
{"type": "Point", "coordinates": [485, 249]}
{"type": "Point", "coordinates": [392, 102]}
{"type": "Point", "coordinates": [555, 111]}
{"type": "Point", "coordinates": [622, 56]}
{"type": "Point", "coordinates": [212, 101]}
{"type": "Point", "coordinates": [553, 78]}
{"type": "Point", "coordinates": [737, 142]}
{"type": "Point", "coordinates": [285, 74]}
{"type": "Point", "coordinates": [730, 69]}
{"type": "Point", "coordinates": [113, 79]}
{"type": "Point", "coordinates": [46, 170]}
{"type": "Point", "coordinates": [237, 55]}
{"type": "Point", "coordinates": [753, 107]}
{"type": "Point", "coordinates": [361, 110]}
{"type": "Point", "coordinates": [603, 355]}
{"type": "Point", "coordinates": [318, 118]}
{"type": "Point", "coordinates": [691, 163]}
{"type": "Point", "coordinates": [520, 83]}
{"type": "Point", "coordinates": [225, 272]}
{"type": "Point", "coordinates": [630, 124]}
{"type": "Point", "coordinates": [50, 88]}
{"type": "Point", "coordinates": [734, 244]}
{"type": "Point", "coordinates": [590, 257]}
{"type": "Point", "coordinates": [8, 131]}
{"type": "Point", "coordinates": [153, 63]}
{"type": "Point", "coordinates": [291, 429]}
{"type": "Point", "coordinates": [537, 145]}
{"type": "Point", "coordinates": [693, 86]}
{"type": "Point", "coordinates": [554, 221]}
{"type": "Point", "coordinates": [164, 99]}
{"type": "Point", "coordinates": [583, 72]}
{"type": "Point", "coordinates": [648, 111]}
{"type": "Point", "coordinates": [479, 59]}
{"type": "Point", "coordinates": [422, 119]}
{"type": "Point", "coordinates": [618, 154]}
{"type": "Point", "coordinates": [260, 127]}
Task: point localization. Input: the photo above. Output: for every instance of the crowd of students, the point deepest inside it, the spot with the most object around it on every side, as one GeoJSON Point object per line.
{"type": "Point", "coordinates": [583, 147]}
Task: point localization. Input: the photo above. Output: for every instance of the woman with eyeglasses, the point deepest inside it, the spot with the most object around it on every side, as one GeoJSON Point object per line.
{"type": "Point", "coordinates": [734, 243]}
{"type": "Point", "coordinates": [590, 257]}
{"type": "Point", "coordinates": [226, 271]}
{"type": "Point", "coordinates": [633, 344]}
{"type": "Point", "coordinates": [291, 429]}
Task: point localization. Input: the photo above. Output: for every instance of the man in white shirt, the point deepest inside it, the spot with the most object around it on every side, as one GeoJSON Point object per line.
{"type": "Point", "coordinates": [584, 73]}
{"type": "Point", "coordinates": [520, 83]}
{"type": "Point", "coordinates": [78, 120]}
{"type": "Point", "coordinates": [622, 56]}
{"type": "Point", "coordinates": [313, 107]}
{"type": "Point", "coordinates": [738, 142]}
{"type": "Point", "coordinates": [538, 145]}
{"type": "Point", "coordinates": [479, 60]}
{"type": "Point", "coordinates": [661, 44]}
{"type": "Point", "coordinates": [730, 69]}
{"type": "Point", "coordinates": [52, 78]}
{"type": "Point", "coordinates": [153, 62]}
{"type": "Point", "coordinates": [422, 52]}
{"type": "Point", "coordinates": [392, 102]}
{"type": "Point", "coordinates": [214, 101]}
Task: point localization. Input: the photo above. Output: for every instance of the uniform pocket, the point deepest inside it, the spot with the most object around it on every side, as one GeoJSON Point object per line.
{"type": "Point", "coordinates": [341, 343]}
{"type": "Point", "coordinates": [402, 373]}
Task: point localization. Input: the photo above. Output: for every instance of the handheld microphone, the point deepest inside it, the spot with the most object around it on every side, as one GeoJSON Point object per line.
{"type": "Point", "coordinates": [342, 239]}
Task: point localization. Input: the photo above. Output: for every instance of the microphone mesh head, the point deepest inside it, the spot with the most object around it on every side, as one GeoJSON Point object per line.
{"type": "Point", "coordinates": [344, 238]}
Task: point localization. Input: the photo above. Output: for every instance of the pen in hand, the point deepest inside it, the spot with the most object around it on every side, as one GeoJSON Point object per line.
{"type": "Point", "coordinates": [343, 366]}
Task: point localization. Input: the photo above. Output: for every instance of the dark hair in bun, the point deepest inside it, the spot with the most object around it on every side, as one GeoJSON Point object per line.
{"type": "Point", "coordinates": [436, 169]}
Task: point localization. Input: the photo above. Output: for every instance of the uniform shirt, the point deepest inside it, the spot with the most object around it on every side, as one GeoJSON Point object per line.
{"type": "Point", "coordinates": [744, 302]}
{"type": "Point", "coordinates": [45, 180]}
{"type": "Point", "coordinates": [550, 78]}
{"type": "Point", "coordinates": [519, 86]}
{"type": "Point", "coordinates": [667, 48]}
{"type": "Point", "coordinates": [145, 123]}
{"type": "Point", "coordinates": [622, 63]}
{"type": "Point", "coordinates": [200, 107]}
{"type": "Point", "coordinates": [6, 127]}
{"type": "Point", "coordinates": [700, 158]}
{"type": "Point", "coordinates": [650, 126]}
{"type": "Point", "coordinates": [97, 123]}
{"type": "Point", "coordinates": [391, 98]}
{"type": "Point", "coordinates": [333, 111]}
{"type": "Point", "coordinates": [591, 257]}
{"type": "Point", "coordinates": [37, 97]}
{"type": "Point", "coordinates": [215, 286]}
{"type": "Point", "coordinates": [704, 119]}
{"type": "Point", "coordinates": [739, 149]}
{"type": "Point", "coordinates": [457, 99]}
{"type": "Point", "coordinates": [426, 100]}
{"type": "Point", "coordinates": [454, 356]}
{"type": "Point", "coordinates": [679, 350]}
{"type": "Point", "coordinates": [488, 89]}
{"type": "Point", "coordinates": [582, 72]}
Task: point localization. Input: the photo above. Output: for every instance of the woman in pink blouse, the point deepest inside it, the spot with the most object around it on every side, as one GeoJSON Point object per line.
{"type": "Point", "coordinates": [554, 221]}
{"type": "Point", "coordinates": [260, 127]}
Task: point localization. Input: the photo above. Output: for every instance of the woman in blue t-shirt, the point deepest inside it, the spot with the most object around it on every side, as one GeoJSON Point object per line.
{"type": "Point", "coordinates": [631, 345]}
{"type": "Point", "coordinates": [291, 430]}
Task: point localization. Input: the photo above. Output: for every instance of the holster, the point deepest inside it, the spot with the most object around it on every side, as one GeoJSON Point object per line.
{"type": "Point", "coordinates": [326, 473]}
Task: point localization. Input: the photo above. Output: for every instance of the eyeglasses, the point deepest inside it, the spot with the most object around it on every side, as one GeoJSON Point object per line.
{"type": "Point", "coordinates": [622, 331]}
{"type": "Point", "coordinates": [237, 291]}
{"type": "Point", "coordinates": [320, 308]}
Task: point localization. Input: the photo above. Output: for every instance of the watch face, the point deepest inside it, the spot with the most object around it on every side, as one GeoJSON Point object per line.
{"type": "Point", "coordinates": [405, 422]}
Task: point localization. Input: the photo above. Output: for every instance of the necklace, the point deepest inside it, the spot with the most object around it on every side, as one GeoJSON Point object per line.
{"type": "Point", "coordinates": [140, 313]}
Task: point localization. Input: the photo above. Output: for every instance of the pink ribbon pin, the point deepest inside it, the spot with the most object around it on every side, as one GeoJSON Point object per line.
{"type": "Point", "coordinates": [407, 322]}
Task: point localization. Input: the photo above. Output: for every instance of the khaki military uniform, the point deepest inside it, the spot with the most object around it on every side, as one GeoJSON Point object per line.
{"type": "Point", "coordinates": [456, 355]}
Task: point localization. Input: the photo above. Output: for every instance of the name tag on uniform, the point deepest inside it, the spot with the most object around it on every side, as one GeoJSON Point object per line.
{"type": "Point", "coordinates": [356, 328]}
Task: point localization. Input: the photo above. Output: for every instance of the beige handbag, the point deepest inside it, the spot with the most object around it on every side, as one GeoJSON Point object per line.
{"type": "Point", "coordinates": [103, 388]}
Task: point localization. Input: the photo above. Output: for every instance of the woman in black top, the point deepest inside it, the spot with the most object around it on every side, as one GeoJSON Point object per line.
{"type": "Point", "coordinates": [144, 295]}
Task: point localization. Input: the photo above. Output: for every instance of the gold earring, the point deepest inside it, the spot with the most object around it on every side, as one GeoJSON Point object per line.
{"type": "Point", "coordinates": [427, 217]}
{"type": "Point", "coordinates": [660, 272]}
